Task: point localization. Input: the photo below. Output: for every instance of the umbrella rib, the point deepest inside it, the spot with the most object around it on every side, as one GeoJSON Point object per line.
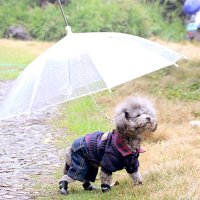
{"type": "Point", "coordinates": [34, 92]}
{"type": "Point", "coordinates": [100, 74]}
{"type": "Point", "coordinates": [92, 96]}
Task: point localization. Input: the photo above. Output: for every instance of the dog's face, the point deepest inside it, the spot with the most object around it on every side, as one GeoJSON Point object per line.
{"type": "Point", "coordinates": [135, 116]}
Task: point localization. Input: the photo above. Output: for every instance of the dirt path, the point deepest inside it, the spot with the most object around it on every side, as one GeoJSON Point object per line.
{"type": "Point", "coordinates": [26, 152]}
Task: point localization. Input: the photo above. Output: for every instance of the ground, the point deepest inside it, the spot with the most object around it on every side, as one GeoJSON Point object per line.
{"type": "Point", "coordinates": [28, 152]}
{"type": "Point", "coordinates": [171, 164]}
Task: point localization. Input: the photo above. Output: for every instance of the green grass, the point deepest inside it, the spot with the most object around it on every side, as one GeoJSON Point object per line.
{"type": "Point", "coordinates": [10, 55]}
{"type": "Point", "coordinates": [167, 179]}
{"type": "Point", "coordinates": [185, 84]}
{"type": "Point", "coordinates": [80, 117]}
{"type": "Point", "coordinates": [16, 55]}
{"type": "Point", "coordinates": [13, 61]}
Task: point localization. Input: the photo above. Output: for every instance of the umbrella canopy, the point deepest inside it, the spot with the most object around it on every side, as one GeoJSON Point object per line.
{"type": "Point", "coordinates": [81, 64]}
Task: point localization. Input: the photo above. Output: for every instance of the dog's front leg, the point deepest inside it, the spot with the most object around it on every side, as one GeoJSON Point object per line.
{"type": "Point", "coordinates": [136, 178]}
{"type": "Point", "coordinates": [106, 180]}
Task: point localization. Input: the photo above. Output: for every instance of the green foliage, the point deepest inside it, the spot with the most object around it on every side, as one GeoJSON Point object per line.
{"type": "Point", "coordinates": [128, 16]}
{"type": "Point", "coordinates": [181, 83]}
{"type": "Point", "coordinates": [183, 91]}
{"type": "Point", "coordinates": [45, 24]}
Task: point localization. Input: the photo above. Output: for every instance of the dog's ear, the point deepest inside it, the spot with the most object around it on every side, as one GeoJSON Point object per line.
{"type": "Point", "coordinates": [121, 120]}
{"type": "Point", "coordinates": [155, 125]}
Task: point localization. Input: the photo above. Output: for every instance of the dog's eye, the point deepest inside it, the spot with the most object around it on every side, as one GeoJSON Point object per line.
{"type": "Point", "coordinates": [137, 115]}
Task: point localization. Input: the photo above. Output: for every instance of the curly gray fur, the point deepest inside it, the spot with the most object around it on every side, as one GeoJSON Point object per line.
{"type": "Point", "coordinates": [67, 159]}
{"type": "Point", "coordinates": [67, 178]}
{"type": "Point", "coordinates": [105, 178]}
{"type": "Point", "coordinates": [133, 117]}
{"type": "Point", "coordinates": [68, 155]}
{"type": "Point", "coordinates": [136, 178]}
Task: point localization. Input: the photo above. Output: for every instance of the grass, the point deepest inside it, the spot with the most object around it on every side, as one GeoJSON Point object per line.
{"type": "Point", "coordinates": [171, 164]}
{"type": "Point", "coordinates": [81, 118]}
{"type": "Point", "coordinates": [172, 159]}
{"type": "Point", "coordinates": [16, 55]}
{"type": "Point", "coordinates": [179, 83]}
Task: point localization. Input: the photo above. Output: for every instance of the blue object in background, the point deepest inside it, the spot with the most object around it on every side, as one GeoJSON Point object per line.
{"type": "Point", "coordinates": [191, 6]}
{"type": "Point", "coordinates": [191, 27]}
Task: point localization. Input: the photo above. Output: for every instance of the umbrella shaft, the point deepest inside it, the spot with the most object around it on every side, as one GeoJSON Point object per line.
{"type": "Point", "coordinates": [63, 14]}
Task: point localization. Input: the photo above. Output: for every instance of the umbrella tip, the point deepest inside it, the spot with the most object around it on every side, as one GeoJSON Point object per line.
{"type": "Point", "coordinates": [176, 65]}
{"type": "Point", "coordinates": [68, 30]}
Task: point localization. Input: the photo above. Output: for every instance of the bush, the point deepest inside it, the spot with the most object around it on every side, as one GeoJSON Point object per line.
{"type": "Point", "coordinates": [128, 16]}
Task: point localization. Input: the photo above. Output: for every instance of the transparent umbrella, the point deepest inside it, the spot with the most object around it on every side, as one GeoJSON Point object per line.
{"type": "Point", "coordinates": [81, 64]}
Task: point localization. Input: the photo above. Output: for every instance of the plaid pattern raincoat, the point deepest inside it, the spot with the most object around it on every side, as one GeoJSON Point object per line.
{"type": "Point", "coordinates": [101, 149]}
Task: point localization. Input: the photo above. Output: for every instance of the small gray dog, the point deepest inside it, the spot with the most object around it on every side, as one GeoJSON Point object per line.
{"type": "Point", "coordinates": [111, 151]}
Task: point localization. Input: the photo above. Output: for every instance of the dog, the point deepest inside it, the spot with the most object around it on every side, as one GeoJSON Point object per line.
{"type": "Point", "coordinates": [111, 151]}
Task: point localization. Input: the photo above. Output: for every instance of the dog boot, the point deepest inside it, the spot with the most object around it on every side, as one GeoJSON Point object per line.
{"type": "Point", "coordinates": [88, 186]}
{"type": "Point", "coordinates": [105, 187]}
{"type": "Point", "coordinates": [63, 186]}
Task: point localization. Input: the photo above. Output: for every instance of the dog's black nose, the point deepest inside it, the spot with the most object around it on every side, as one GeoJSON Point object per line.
{"type": "Point", "coordinates": [148, 119]}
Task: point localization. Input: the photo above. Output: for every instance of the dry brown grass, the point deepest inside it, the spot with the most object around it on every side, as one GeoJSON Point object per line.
{"type": "Point", "coordinates": [171, 163]}
{"type": "Point", "coordinates": [187, 48]}
{"type": "Point", "coordinates": [36, 48]}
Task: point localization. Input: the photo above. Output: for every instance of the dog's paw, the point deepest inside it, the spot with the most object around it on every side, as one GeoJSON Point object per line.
{"type": "Point", "coordinates": [136, 178]}
{"type": "Point", "coordinates": [105, 188]}
{"type": "Point", "coordinates": [63, 191]}
{"type": "Point", "coordinates": [139, 183]}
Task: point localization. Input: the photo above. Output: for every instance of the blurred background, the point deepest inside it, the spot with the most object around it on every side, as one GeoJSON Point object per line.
{"type": "Point", "coordinates": [42, 20]}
